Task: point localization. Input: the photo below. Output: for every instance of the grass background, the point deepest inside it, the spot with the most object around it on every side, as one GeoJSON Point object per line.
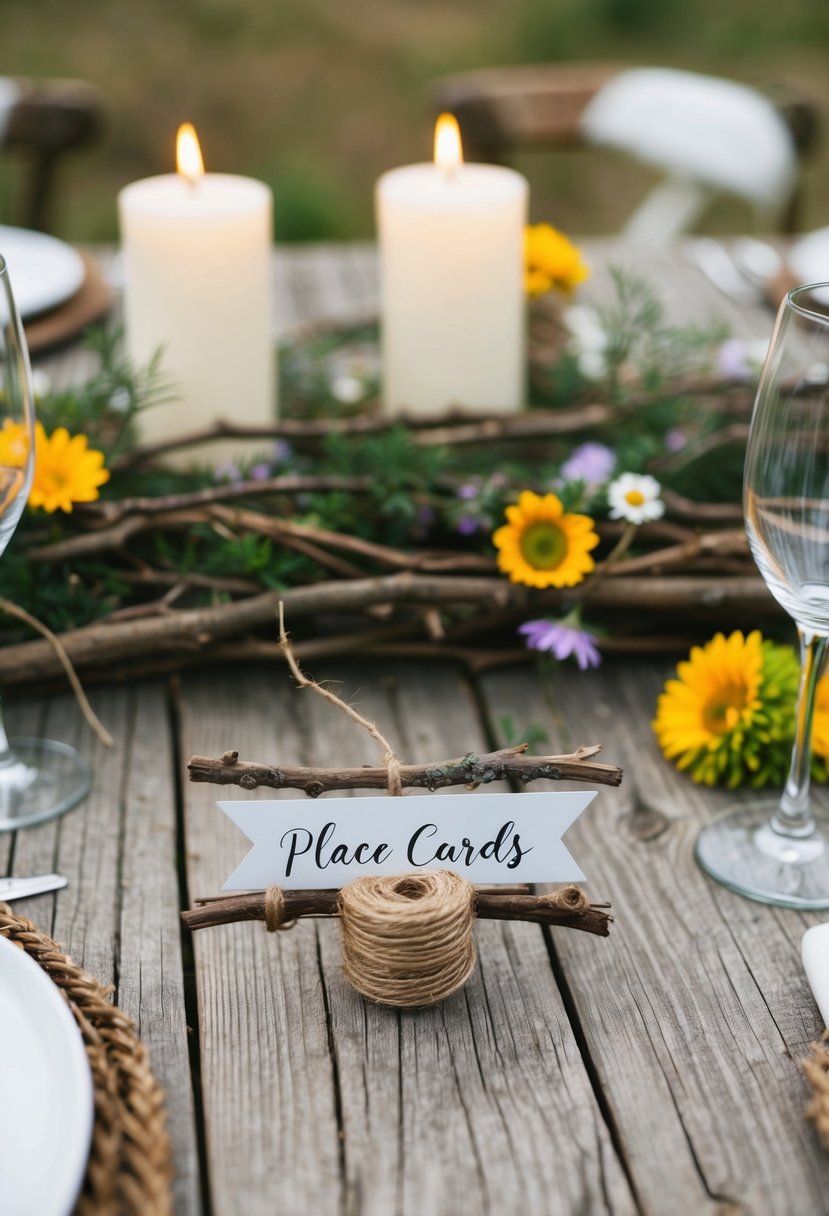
{"type": "Point", "coordinates": [318, 97]}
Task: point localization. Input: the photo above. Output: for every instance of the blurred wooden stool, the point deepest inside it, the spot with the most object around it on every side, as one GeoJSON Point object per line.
{"type": "Point", "coordinates": [46, 121]}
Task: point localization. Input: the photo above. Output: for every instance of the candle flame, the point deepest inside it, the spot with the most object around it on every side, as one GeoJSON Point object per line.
{"type": "Point", "coordinates": [448, 148]}
{"type": "Point", "coordinates": [189, 163]}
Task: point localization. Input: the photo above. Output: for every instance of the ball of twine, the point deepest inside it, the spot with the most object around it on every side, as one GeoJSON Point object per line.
{"type": "Point", "coordinates": [407, 940]}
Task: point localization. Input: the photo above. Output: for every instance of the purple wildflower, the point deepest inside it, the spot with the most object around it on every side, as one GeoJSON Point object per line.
{"type": "Point", "coordinates": [732, 360]}
{"type": "Point", "coordinates": [227, 472]}
{"type": "Point", "coordinates": [468, 490]}
{"type": "Point", "coordinates": [468, 525]}
{"type": "Point", "coordinates": [591, 463]}
{"type": "Point", "coordinates": [675, 439]}
{"type": "Point", "coordinates": [281, 452]}
{"type": "Point", "coordinates": [260, 472]}
{"type": "Point", "coordinates": [562, 640]}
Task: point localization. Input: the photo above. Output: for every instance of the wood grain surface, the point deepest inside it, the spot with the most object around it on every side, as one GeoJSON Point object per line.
{"type": "Point", "coordinates": [457, 1109]}
{"type": "Point", "coordinates": [654, 1072]}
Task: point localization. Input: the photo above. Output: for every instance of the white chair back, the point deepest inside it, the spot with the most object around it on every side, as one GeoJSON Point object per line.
{"type": "Point", "coordinates": [709, 137]}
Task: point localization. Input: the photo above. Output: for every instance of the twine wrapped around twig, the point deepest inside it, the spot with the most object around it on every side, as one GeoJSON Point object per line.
{"type": "Point", "coordinates": [568, 908]}
{"type": "Point", "coordinates": [816, 1070]}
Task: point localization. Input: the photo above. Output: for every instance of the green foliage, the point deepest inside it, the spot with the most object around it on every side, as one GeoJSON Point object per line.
{"type": "Point", "coordinates": [639, 337]}
{"type": "Point", "coordinates": [532, 734]}
{"type": "Point", "coordinates": [107, 405]}
{"type": "Point", "coordinates": [415, 495]}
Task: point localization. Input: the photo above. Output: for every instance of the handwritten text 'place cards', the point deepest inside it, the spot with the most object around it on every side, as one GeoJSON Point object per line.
{"type": "Point", "coordinates": [487, 838]}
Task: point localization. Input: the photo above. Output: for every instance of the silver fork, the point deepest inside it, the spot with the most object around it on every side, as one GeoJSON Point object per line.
{"type": "Point", "coordinates": [38, 884]}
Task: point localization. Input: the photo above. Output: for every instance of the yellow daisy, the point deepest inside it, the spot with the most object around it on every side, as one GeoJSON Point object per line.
{"type": "Point", "coordinates": [820, 721]}
{"type": "Point", "coordinates": [551, 261]}
{"type": "Point", "coordinates": [14, 444]}
{"type": "Point", "coordinates": [714, 700]}
{"type": "Point", "coordinates": [542, 546]}
{"type": "Point", "coordinates": [67, 471]}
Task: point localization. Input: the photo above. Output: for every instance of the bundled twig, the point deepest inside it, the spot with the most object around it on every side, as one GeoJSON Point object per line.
{"type": "Point", "coordinates": [188, 631]}
{"type": "Point", "coordinates": [449, 428]}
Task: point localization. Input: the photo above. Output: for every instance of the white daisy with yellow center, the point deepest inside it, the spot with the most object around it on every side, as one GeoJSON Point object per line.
{"type": "Point", "coordinates": [636, 498]}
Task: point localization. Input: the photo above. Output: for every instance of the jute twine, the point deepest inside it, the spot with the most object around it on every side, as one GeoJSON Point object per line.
{"type": "Point", "coordinates": [407, 940]}
{"type": "Point", "coordinates": [130, 1167]}
{"type": "Point", "coordinates": [816, 1069]}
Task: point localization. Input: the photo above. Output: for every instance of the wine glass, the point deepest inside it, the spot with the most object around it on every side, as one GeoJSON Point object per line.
{"type": "Point", "coordinates": [778, 852]}
{"type": "Point", "coordinates": [39, 778]}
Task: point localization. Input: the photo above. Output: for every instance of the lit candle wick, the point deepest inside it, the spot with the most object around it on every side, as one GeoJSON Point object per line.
{"type": "Point", "coordinates": [189, 163]}
{"type": "Point", "coordinates": [448, 147]}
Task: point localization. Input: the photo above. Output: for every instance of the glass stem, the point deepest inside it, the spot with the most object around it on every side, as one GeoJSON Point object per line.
{"type": "Point", "coordinates": [794, 816]}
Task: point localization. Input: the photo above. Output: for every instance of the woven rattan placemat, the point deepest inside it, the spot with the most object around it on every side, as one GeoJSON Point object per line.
{"type": "Point", "coordinates": [130, 1167]}
{"type": "Point", "coordinates": [68, 320]}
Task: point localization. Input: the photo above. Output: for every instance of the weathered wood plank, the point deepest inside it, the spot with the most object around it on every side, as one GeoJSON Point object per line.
{"type": "Point", "coordinates": [268, 1076]}
{"type": "Point", "coordinates": [697, 1012]}
{"type": "Point", "coordinates": [150, 976]}
{"type": "Point", "coordinates": [463, 1108]}
{"type": "Point", "coordinates": [473, 1106]}
{"type": "Point", "coordinates": [315, 282]}
{"type": "Point", "coordinates": [119, 915]}
{"type": "Point", "coordinates": [23, 717]}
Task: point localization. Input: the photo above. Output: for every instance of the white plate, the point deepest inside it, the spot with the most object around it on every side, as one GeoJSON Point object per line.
{"type": "Point", "coordinates": [46, 1111]}
{"type": "Point", "coordinates": [809, 261]}
{"type": "Point", "coordinates": [44, 271]}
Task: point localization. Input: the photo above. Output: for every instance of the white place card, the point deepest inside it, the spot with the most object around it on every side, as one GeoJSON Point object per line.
{"type": "Point", "coordinates": [487, 838]}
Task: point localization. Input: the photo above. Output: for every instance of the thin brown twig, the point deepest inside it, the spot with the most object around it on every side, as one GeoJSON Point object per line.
{"type": "Point", "coordinates": [147, 576]}
{"type": "Point", "coordinates": [12, 609]}
{"type": "Point", "coordinates": [388, 753]}
{"type": "Point", "coordinates": [105, 540]}
{"type": "Point", "coordinates": [508, 763]}
{"type": "Point", "coordinates": [113, 511]}
{"type": "Point", "coordinates": [736, 432]}
{"type": "Point", "coordinates": [282, 530]}
{"type": "Point", "coordinates": [686, 508]}
{"type": "Point", "coordinates": [720, 544]}
{"type": "Point", "coordinates": [538, 909]}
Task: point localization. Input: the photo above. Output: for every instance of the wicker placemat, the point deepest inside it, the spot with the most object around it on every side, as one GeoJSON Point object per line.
{"type": "Point", "coordinates": [816, 1069]}
{"type": "Point", "coordinates": [89, 303]}
{"type": "Point", "coordinates": [130, 1167]}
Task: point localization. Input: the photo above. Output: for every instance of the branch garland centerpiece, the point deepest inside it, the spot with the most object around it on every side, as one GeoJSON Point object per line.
{"type": "Point", "coordinates": [406, 938]}
{"type": "Point", "coordinates": [379, 532]}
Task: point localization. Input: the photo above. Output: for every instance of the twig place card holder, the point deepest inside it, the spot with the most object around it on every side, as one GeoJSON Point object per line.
{"type": "Point", "coordinates": [407, 879]}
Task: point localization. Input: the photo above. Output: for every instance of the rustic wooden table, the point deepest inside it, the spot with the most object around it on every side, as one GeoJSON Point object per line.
{"type": "Point", "coordinates": [652, 1072]}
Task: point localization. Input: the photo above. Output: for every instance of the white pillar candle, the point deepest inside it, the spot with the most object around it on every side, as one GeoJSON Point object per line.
{"type": "Point", "coordinates": [451, 283]}
{"type": "Point", "coordinates": [197, 283]}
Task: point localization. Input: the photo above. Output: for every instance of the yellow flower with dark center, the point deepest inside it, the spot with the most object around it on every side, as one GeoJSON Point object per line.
{"type": "Point", "coordinates": [729, 716]}
{"type": "Point", "coordinates": [67, 470]}
{"type": "Point", "coordinates": [551, 261]}
{"type": "Point", "coordinates": [543, 546]}
{"type": "Point", "coordinates": [714, 715]}
{"type": "Point", "coordinates": [716, 692]}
